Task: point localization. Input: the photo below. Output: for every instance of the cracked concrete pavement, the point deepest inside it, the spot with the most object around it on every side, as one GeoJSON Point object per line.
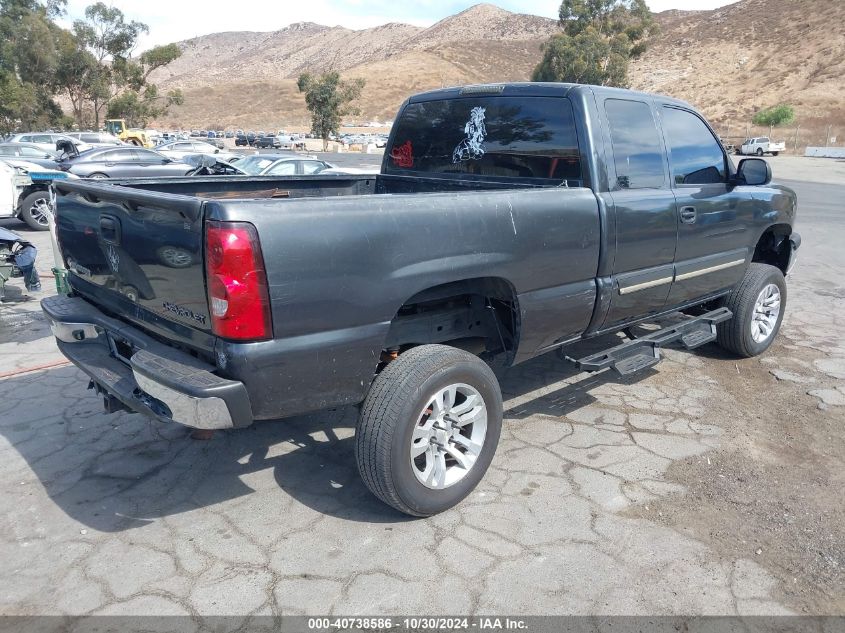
{"type": "Point", "coordinates": [581, 512]}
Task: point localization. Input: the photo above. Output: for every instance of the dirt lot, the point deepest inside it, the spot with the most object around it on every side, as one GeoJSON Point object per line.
{"type": "Point", "coordinates": [704, 486]}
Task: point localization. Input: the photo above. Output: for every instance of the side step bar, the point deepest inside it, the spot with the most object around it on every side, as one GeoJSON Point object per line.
{"type": "Point", "coordinates": [644, 352]}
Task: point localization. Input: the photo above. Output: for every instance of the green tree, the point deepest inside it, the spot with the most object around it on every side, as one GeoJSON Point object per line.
{"type": "Point", "coordinates": [77, 75]}
{"type": "Point", "coordinates": [139, 101]}
{"type": "Point", "coordinates": [139, 107]}
{"type": "Point", "coordinates": [328, 99]}
{"type": "Point", "coordinates": [775, 116]}
{"type": "Point", "coordinates": [28, 60]}
{"type": "Point", "coordinates": [598, 39]}
{"type": "Point", "coordinates": [111, 40]}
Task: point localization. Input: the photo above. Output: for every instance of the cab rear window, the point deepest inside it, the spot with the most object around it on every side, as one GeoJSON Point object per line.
{"type": "Point", "coordinates": [488, 137]}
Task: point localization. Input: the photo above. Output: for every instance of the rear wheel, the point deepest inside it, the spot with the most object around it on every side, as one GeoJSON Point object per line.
{"type": "Point", "coordinates": [758, 304]}
{"type": "Point", "coordinates": [428, 429]}
{"type": "Point", "coordinates": [98, 175]}
{"type": "Point", "coordinates": [35, 210]}
{"type": "Point", "coordinates": [775, 153]}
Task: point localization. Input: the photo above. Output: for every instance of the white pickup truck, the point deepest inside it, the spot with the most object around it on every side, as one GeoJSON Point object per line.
{"type": "Point", "coordinates": [24, 191]}
{"type": "Point", "coordinates": [759, 146]}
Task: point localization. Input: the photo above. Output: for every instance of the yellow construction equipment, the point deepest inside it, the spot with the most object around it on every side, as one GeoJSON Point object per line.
{"type": "Point", "coordinates": [131, 136]}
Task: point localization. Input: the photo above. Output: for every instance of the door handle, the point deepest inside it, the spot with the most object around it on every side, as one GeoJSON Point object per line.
{"type": "Point", "coordinates": [688, 215]}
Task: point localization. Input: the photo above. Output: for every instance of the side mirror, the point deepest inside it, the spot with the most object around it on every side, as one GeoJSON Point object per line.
{"type": "Point", "coordinates": [753, 172]}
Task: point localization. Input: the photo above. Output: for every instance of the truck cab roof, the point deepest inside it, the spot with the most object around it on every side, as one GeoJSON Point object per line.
{"type": "Point", "coordinates": [535, 89]}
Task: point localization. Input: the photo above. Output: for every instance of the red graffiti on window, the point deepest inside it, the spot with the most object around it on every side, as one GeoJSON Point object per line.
{"type": "Point", "coordinates": [403, 155]}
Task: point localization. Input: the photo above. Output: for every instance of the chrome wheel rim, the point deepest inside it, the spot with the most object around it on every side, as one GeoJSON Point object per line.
{"type": "Point", "coordinates": [448, 436]}
{"type": "Point", "coordinates": [766, 313]}
{"type": "Point", "coordinates": [40, 210]}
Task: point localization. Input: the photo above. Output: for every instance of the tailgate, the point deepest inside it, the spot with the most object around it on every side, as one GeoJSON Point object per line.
{"type": "Point", "coordinates": [139, 254]}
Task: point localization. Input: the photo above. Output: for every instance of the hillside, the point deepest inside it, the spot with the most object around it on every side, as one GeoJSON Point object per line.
{"type": "Point", "coordinates": [729, 62]}
{"type": "Point", "coordinates": [249, 78]}
{"type": "Point", "coordinates": [732, 61]}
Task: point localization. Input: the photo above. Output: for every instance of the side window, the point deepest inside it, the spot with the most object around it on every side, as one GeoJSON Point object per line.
{"type": "Point", "coordinates": [312, 167]}
{"type": "Point", "coordinates": [287, 168]}
{"type": "Point", "coordinates": [89, 138]}
{"type": "Point", "coordinates": [31, 151]}
{"type": "Point", "coordinates": [695, 156]}
{"type": "Point", "coordinates": [119, 156]}
{"type": "Point", "coordinates": [637, 153]}
{"type": "Point", "coordinates": [25, 139]}
{"type": "Point", "coordinates": [765, 139]}
{"type": "Point", "coordinates": [42, 138]}
{"type": "Point", "coordinates": [7, 151]}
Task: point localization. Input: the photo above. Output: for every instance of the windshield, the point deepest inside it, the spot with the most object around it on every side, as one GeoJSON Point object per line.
{"type": "Point", "coordinates": [254, 165]}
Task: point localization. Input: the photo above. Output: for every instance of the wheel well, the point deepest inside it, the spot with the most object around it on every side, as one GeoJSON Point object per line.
{"type": "Point", "coordinates": [773, 247]}
{"type": "Point", "coordinates": [27, 191]}
{"type": "Point", "coordinates": [479, 315]}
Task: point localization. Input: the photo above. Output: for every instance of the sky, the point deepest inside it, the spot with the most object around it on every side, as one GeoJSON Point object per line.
{"type": "Point", "coordinates": [175, 20]}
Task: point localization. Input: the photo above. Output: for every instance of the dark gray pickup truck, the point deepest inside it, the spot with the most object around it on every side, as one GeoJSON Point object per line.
{"type": "Point", "coordinates": [507, 221]}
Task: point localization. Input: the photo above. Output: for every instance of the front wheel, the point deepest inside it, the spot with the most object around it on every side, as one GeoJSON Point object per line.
{"type": "Point", "coordinates": [759, 151]}
{"type": "Point", "coordinates": [35, 210]}
{"type": "Point", "coordinates": [757, 303]}
{"type": "Point", "coordinates": [428, 429]}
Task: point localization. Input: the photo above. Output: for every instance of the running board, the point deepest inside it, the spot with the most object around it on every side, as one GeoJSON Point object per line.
{"type": "Point", "coordinates": [644, 352]}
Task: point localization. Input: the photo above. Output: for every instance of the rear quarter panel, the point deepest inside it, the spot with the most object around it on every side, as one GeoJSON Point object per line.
{"type": "Point", "coordinates": [339, 271]}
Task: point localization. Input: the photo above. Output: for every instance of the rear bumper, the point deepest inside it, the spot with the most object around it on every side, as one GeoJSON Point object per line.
{"type": "Point", "coordinates": [146, 376]}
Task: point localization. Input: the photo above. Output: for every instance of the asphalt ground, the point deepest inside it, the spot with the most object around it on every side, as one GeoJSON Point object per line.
{"type": "Point", "coordinates": [707, 485]}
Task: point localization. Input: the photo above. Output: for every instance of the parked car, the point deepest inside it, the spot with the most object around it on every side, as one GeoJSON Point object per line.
{"type": "Point", "coordinates": [212, 165]}
{"type": "Point", "coordinates": [507, 222]}
{"type": "Point", "coordinates": [211, 139]}
{"type": "Point", "coordinates": [761, 145]}
{"type": "Point", "coordinates": [284, 141]}
{"type": "Point", "coordinates": [47, 141]}
{"type": "Point", "coordinates": [24, 191]}
{"type": "Point", "coordinates": [241, 140]}
{"type": "Point", "coordinates": [265, 141]}
{"type": "Point", "coordinates": [30, 153]}
{"type": "Point", "coordinates": [282, 165]}
{"type": "Point", "coordinates": [179, 149]}
{"type": "Point", "coordinates": [229, 134]}
{"type": "Point", "coordinates": [96, 139]}
{"type": "Point", "coordinates": [123, 162]}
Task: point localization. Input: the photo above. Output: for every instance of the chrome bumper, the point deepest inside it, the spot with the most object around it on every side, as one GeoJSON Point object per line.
{"type": "Point", "coordinates": [156, 380]}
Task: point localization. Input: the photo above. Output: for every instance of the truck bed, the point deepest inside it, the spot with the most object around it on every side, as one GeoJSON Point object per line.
{"type": "Point", "coordinates": [337, 270]}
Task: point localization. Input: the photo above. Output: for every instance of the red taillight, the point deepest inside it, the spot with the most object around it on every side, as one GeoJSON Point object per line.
{"type": "Point", "coordinates": [236, 281]}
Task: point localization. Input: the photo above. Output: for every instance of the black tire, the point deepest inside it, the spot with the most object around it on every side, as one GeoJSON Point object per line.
{"type": "Point", "coordinates": [391, 411]}
{"type": "Point", "coordinates": [759, 151]}
{"type": "Point", "coordinates": [29, 213]}
{"type": "Point", "coordinates": [735, 335]}
{"type": "Point", "coordinates": [775, 153]}
{"type": "Point", "coordinates": [98, 174]}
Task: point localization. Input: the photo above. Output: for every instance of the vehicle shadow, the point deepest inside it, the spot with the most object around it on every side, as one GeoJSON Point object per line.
{"type": "Point", "coordinates": [118, 472]}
